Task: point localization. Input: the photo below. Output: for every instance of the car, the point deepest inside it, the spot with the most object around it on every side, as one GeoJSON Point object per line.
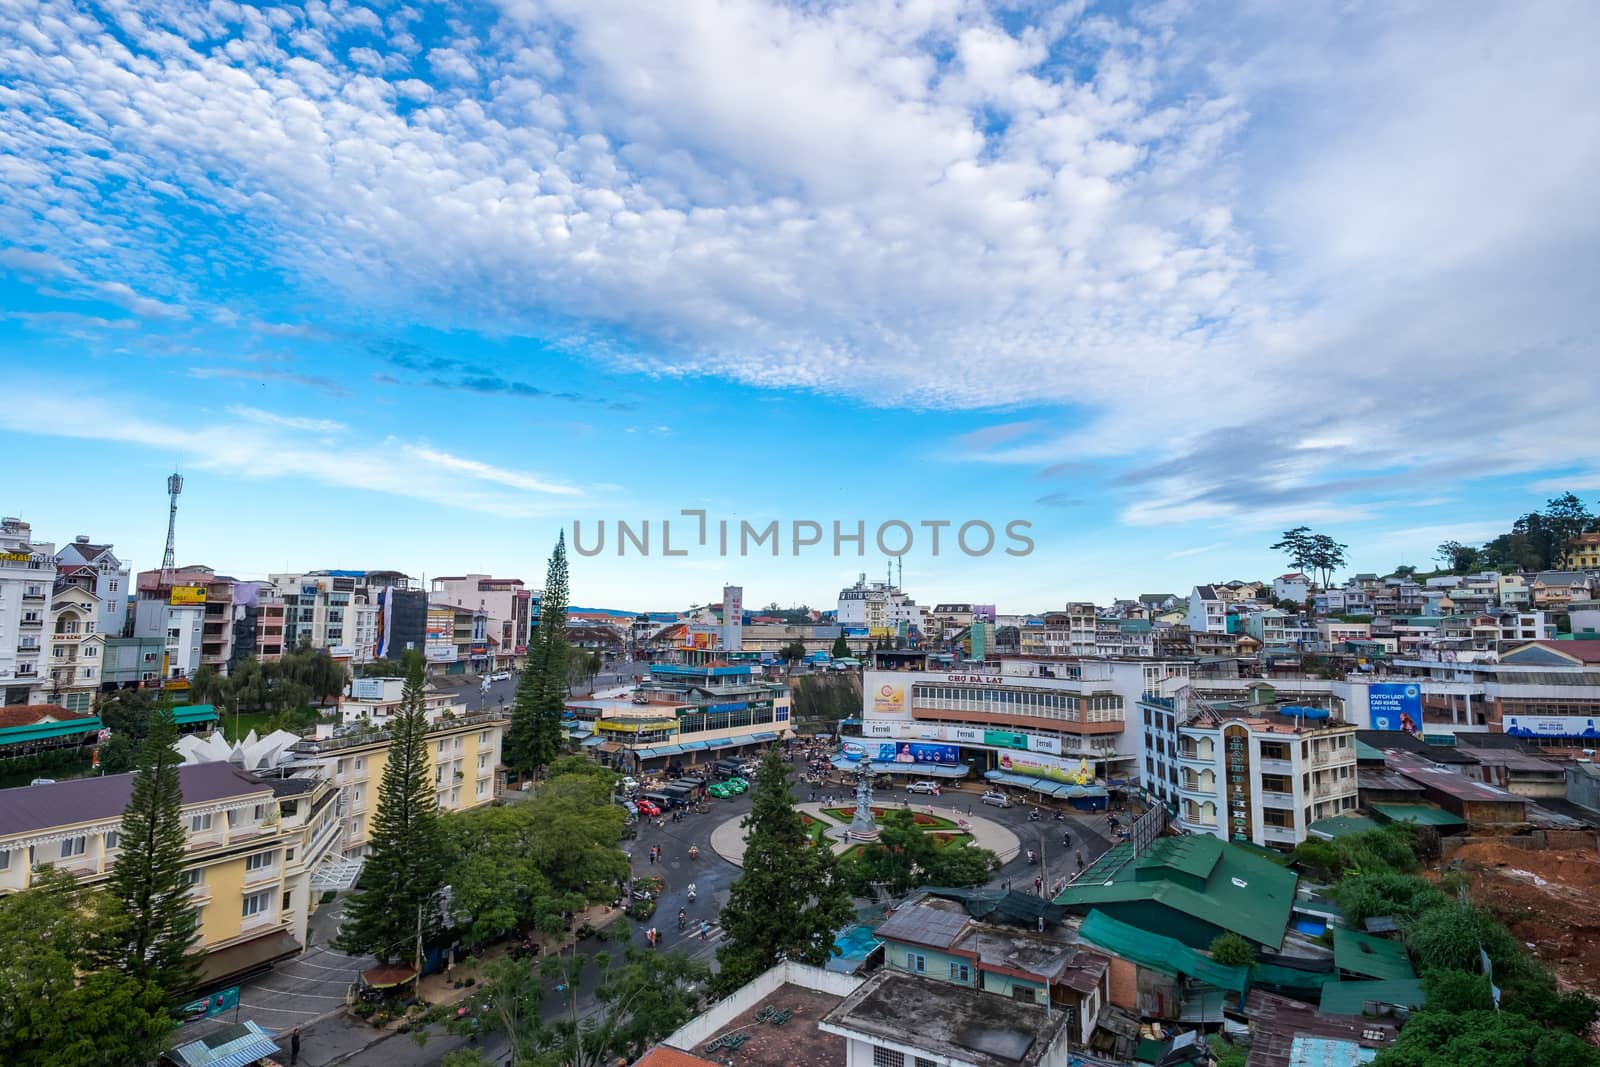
{"type": "Point", "coordinates": [650, 808]}
{"type": "Point", "coordinates": [999, 800]}
{"type": "Point", "coordinates": [738, 785]}
{"type": "Point", "coordinates": [931, 788]}
{"type": "Point", "coordinates": [720, 790]}
{"type": "Point", "coordinates": [630, 785]}
{"type": "Point", "coordinates": [500, 676]}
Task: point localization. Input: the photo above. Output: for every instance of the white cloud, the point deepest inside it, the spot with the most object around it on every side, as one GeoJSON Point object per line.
{"type": "Point", "coordinates": [259, 444]}
{"type": "Point", "coordinates": [1179, 222]}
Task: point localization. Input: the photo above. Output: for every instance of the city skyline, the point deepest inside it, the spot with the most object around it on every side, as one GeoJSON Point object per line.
{"type": "Point", "coordinates": [419, 288]}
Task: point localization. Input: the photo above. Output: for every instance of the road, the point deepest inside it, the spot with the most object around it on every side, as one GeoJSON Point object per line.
{"type": "Point", "coordinates": [341, 1040]}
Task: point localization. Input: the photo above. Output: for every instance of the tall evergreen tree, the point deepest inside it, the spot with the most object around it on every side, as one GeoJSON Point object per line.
{"type": "Point", "coordinates": [154, 940]}
{"type": "Point", "coordinates": [536, 735]}
{"type": "Point", "coordinates": [841, 648]}
{"type": "Point", "coordinates": [405, 869]}
{"type": "Point", "coordinates": [790, 900]}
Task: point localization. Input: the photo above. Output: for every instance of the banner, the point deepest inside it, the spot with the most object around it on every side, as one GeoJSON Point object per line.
{"type": "Point", "coordinates": [889, 698]}
{"type": "Point", "coordinates": [1551, 726]}
{"type": "Point", "coordinates": [215, 1004]}
{"type": "Point", "coordinates": [1042, 766]}
{"type": "Point", "coordinates": [1395, 706]}
{"type": "Point", "coordinates": [907, 752]}
{"type": "Point", "coordinates": [188, 594]}
{"type": "Point", "coordinates": [853, 750]}
{"type": "Point", "coordinates": [366, 689]}
{"type": "Point", "coordinates": [1005, 739]}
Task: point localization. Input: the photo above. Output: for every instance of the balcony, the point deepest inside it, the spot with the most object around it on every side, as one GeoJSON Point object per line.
{"type": "Point", "coordinates": [1281, 834]}
{"type": "Point", "coordinates": [1275, 766]}
{"type": "Point", "coordinates": [1198, 823]}
{"type": "Point", "coordinates": [1196, 755]}
{"type": "Point", "coordinates": [269, 873]}
{"type": "Point", "coordinates": [31, 624]}
{"type": "Point", "coordinates": [1197, 785]}
{"type": "Point", "coordinates": [1281, 801]}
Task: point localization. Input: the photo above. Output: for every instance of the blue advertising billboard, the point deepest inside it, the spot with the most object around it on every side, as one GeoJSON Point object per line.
{"type": "Point", "coordinates": [1395, 706]}
{"type": "Point", "coordinates": [906, 752]}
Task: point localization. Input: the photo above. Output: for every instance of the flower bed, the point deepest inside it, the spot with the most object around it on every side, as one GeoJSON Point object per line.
{"type": "Point", "coordinates": [920, 818]}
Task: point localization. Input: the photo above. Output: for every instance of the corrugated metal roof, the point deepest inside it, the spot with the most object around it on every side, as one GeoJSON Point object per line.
{"type": "Point", "coordinates": [1422, 814]}
{"type": "Point", "coordinates": [936, 925]}
{"type": "Point", "coordinates": [1373, 957]}
{"type": "Point", "coordinates": [1161, 953]}
{"type": "Point", "coordinates": [31, 808]}
{"type": "Point", "coordinates": [1349, 998]}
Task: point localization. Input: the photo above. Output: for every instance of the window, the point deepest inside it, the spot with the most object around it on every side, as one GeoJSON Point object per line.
{"type": "Point", "coordinates": [361, 762]}
{"type": "Point", "coordinates": [259, 861]}
{"type": "Point", "coordinates": [5, 859]}
{"type": "Point", "coordinates": [916, 962]}
{"type": "Point", "coordinates": [887, 1057]}
{"type": "Point", "coordinates": [288, 855]}
{"type": "Point", "coordinates": [260, 812]}
{"type": "Point", "coordinates": [193, 878]}
{"type": "Point", "coordinates": [112, 839]}
{"type": "Point", "coordinates": [287, 902]}
{"type": "Point", "coordinates": [74, 846]}
{"type": "Point", "coordinates": [200, 823]}
{"type": "Point", "coordinates": [960, 972]}
{"type": "Point", "coordinates": [256, 904]}
{"type": "Point", "coordinates": [483, 737]}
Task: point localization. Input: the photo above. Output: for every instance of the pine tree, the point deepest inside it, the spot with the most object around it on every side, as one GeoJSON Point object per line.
{"type": "Point", "coordinates": [404, 871]}
{"type": "Point", "coordinates": [790, 900]}
{"type": "Point", "coordinates": [536, 735]}
{"type": "Point", "coordinates": [841, 648]}
{"type": "Point", "coordinates": [153, 941]}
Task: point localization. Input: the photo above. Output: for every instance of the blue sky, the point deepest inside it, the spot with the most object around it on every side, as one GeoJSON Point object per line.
{"type": "Point", "coordinates": [417, 286]}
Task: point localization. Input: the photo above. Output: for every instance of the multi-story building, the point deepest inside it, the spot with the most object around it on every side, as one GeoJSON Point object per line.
{"type": "Point", "coordinates": [27, 580]}
{"type": "Point", "coordinates": [1583, 552]}
{"type": "Point", "coordinates": [688, 713]}
{"type": "Point", "coordinates": [251, 845]}
{"type": "Point", "coordinates": [457, 639]}
{"type": "Point", "coordinates": [128, 662]}
{"type": "Point", "coordinates": [463, 760]}
{"type": "Point", "coordinates": [508, 607]}
{"type": "Point", "coordinates": [1292, 586]}
{"type": "Point", "coordinates": [73, 673]}
{"type": "Point", "coordinates": [1247, 771]}
{"type": "Point", "coordinates": [174, 607]}
{"type": "Point", "coordinates": [353, 615]}
{"type": "Point", "coordinates": [1208, 611]}
{"type": "Point", "coordinates": [1554, 590]}
{"type": "Point", "coordinates": [1069, 632]}
{"type": "Point", "coordinates": [97, 569]}
{"type": "Point", "coordinates": [880, 607]}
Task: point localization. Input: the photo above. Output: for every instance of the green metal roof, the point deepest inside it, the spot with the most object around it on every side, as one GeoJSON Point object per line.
{"type": "Point", "coordinates": [189, 714]}
{"type": "Point", "coordinates": [1161, 953]}
{"type": "Point", "coordinates": [1210, 880]}
{"type": "Point", "coordinates": [1347, 998]}
{"type": "Point", "coordinates": [1339, 825]}
{"type": "Point", "coordinates": [44, 731]}
{"type": "Point", "coordinates": [1277, 976]}
{"type": "Point", "coordinates": [1366, 751]}
{"type": "Point", "coordinates": [1422, 814]}
{"type": "Point", "coordinates": [1372, 957]}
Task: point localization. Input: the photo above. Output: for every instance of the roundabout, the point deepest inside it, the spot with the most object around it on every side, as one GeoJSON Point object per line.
{"type": "Point", "coordinates": [834, 821]}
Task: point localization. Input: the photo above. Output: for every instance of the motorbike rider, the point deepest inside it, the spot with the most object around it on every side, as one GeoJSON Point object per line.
{"type": "Point", "coordinates": [691, 892]}
{"type": "Point", "coordinates": [683, 918]}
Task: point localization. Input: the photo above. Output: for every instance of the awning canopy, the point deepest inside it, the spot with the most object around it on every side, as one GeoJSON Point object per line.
{"type": "Point", "coordinates": [1045, 786]}
{"type": "Point", "coordinates": [694, 746]}
{"type": "Point", "coordinates": [243, 959]}
{"type": "Point", "coordinates": [763, 737]}
{"type": "Point", "coordinates": [234, 1045]}
{"type": "Point", "coordinates": [591, 742]}
{"type": "Point", "coordinates": [719, 742]}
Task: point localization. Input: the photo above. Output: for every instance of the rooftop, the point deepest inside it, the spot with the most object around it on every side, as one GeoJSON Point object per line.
{"type": "Point", "coordinates": [31, 808]}
{"type": "Point", "coordinates": [1277, 1021]}
{"type": "Point", "coordinates": [795, 1042]}
{"type": "Point", "coordinates": [931, 921]}
{"type": "Point", "coordinates": [31, 714]}
{"type": "Point", "coordinates": [980, 1028]}
{"type": "Point", "coordinates": [1214, 881]}
{"type": "Point", "coordinates": [1370, 956]}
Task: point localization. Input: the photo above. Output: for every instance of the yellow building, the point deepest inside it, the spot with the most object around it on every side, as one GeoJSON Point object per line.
{"type": "Point", "coordinates": [1583, 552]}
{"type": "Point", "coordinates": [463, 756]}
{"type": "Point", "coordinates": [253, 843]}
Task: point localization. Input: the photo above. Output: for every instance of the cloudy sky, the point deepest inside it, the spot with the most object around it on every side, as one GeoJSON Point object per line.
{"type": "Point", "coordinates": [417, 286]}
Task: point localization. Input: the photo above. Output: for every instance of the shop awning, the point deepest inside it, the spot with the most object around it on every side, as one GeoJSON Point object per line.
{"type": "Point", "coordinates": [245, 958]}
{"type": "Point", "coordinates": [1045, 786]}
{"type": "Point", "coordinates": [694, 746]}
{"type": "Point", "coordinates": [590, 742]}
{"type": "Point", "coordinates": [720, 742]}
{"type": "Point", "coordinates": [669, 750]}
{"type": "Point", "coordinates": [645, 753]}
{"type": "Point", "coordinates": [763, 737]}
{"type": "Point", "coordinates": [234, 1045]}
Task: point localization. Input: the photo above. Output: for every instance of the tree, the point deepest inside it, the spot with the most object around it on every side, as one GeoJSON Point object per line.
{"type": "Point", "coordinates": [906, 857]}
{"type": "Point", "coordinates": [57, 1007]}
{"type": "Point", "coordinates": [399, 889]}
{"type": "Point", "coordinates": [1296, 544]}
{"type": "Point", "coordinates": [1566, 517]}
{"type": "Point", "coordinates": [126, 713]}
{"type": "Point", "coordinates": [152, 940]}
{"type": "Point", "coordinates": [790, 898]}
{"type": "Point", "coordinates": [841, 648]}
{"type": "Point", "coordinates": [1326, 556]}
{"type": "Point", "coordinates": [1458, 557]}
{"type": "Point", "coordinates": [118, 755]}
{"type": "Point", "coordinates": [1482, 1039]}
{"type": "Point", "coordinates": [536, 735]}
{"type": "Point", "coordinates": [1405, 570]}
{"type": "Point", "coordinates": [793, 652]}
{"type": "Point", "coordinates": [1233, 950]}
{"type": "Point", "coordinates": [206, 686]}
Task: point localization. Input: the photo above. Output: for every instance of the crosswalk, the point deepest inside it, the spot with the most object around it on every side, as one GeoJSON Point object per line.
{"type": "Point", "coordinates": [690, 941]}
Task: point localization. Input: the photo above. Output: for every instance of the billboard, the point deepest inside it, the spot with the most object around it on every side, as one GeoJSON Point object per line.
{"type": "Point", "coordinates": [215, 1004]}
{"type": "Point", "coordinates": [853, 631]}
{"type": "Point", "coordinates": [983, 613]}
{"type": "Point", "coordinates": [188, 594]}
{"type": "Point", "coordinates": [1395, 706]}
{"type": "Point", "coordinates": [366, 689]}
{"type": "Point", "coordinates": [1552, 726]}
{"type": "Point", "coordinates": [882, 633]}
{"type": "Point", "coordinates": [853, 749]}
{"type": "Point", "coordinates": [1041, 766]}
{"type": "Point", "coordinates": [907, 752]}
{"type": "Point", "coordinates": [1005, 739]}
{"type": "Point", "coordinates": [889, 697]}
{"type": "Point", "coordinates": [439, 653]}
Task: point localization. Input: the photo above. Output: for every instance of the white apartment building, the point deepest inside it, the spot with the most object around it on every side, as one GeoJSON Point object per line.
{"type": "Point", "coordinates": [1208, 611]}
{"type": "Point", "coordinates": [1261, 773]}
{"type": "Point", "coordinates": [508, 607]}
{"type": "Point", "coordinates": [27, 581]}
{"type": "Point", "coordinates": [1073, 631]}
{"type": "Point", "coordinates": [1292, 586]}
{"type": "Point", "coordinates": [878, 606]}
{"type": "Point", "coordinates": [104, 575]}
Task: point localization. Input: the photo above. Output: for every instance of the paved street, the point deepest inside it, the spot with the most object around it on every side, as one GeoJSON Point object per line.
{"type": "Point", "coordinates": [340, 1040]}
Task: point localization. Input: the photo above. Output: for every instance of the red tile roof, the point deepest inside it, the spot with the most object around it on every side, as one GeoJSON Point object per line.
{"type": "Point", "coordinates": [29, 714]}
{"type": "Point", "coordinates": [665, 1056]}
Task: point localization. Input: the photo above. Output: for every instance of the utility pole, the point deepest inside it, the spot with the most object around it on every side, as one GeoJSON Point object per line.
{"type": "Point", "coordinates": [1044, 870]}
{"type": "Point", "coordinates": [416, 984]}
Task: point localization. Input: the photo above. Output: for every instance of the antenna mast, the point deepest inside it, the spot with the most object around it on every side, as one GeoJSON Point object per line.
{"type": "Point", "coordinates": [169, 561]}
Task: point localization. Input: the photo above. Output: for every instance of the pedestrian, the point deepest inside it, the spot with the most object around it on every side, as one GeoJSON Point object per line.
{"type": "Point", "coordinates": [1041, 924]}
{"type": "Point", "coordinates": [1038, 884]}
{"type": "Point", "coordinates": [294, 1047]}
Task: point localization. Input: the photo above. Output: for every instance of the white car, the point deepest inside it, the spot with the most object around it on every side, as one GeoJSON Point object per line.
{"type": "Point", "coordinates": [931, 788]}
{"type": "Point", "coordinates": [630, 786]}
{"type": "Point", "coordinates": [999, 800]}
{"type": "Point", "coordinates": [500, 676]}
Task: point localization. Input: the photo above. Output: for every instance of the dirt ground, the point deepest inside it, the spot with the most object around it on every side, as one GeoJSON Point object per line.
{"type": "Point", "coordinates": [1549, 899]}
